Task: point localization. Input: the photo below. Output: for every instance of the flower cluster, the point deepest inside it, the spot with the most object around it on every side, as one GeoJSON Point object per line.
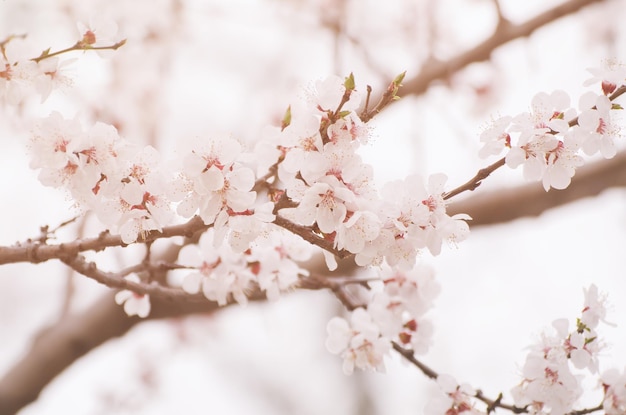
{"type": "Point", "coordinates": [547, 140]}
{"type": "Point", "coordinates": [395, 312]}
{"type": "Point", "coordinates": [453, 398]}
{"type": "Point", "coordinates": [22, 76]}
{"type": "Point", "coordinates": [334, 191]}
{"type": "Point", "coordinates": [549, 383]}
{"type": "Point", "coordinates": [308, 177]}
{"type": "Point", "coordinates": [614, 386]}
{"type": "Point", "coordinates": [122, 183]}
{"type": "Point", "coordinates": [222, 274]}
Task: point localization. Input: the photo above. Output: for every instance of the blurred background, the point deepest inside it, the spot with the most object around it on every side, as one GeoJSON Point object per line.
{"type": "Point", "coordinates": [192, 69]}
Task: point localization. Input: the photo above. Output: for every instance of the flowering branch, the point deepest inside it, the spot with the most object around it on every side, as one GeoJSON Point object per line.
{"type": "Point", "coordinates": [117, 280]}
{"type": "Point", "coordinates": [535, 147]}
{"type": "Point", "coordinates": [410, 356]}
{"type": "Point", "coordinates": [390, 95]}
{"type": "Point", "coordinates": [36, 252]}
{"type": "Point", "coordinates": [308, 235]}
{"type": "Point", "coordinates": [329, 201]}
{"type": "Point", "coordinates": [507, 204]}
{"type": "Point", "coordinates": [80, 45]}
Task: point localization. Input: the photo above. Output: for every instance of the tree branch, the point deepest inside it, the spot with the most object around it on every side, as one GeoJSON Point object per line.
{"type": "Point", "coordinates": [505, 205]}
{"type": "Point", "coordinates": [504, 33]}
{"type": "Point", "coordinates": [117, 280]}
{"type": "Point", "coordinates": [36, 252]}
{"type": "Point", "coordinates": [59, 346]}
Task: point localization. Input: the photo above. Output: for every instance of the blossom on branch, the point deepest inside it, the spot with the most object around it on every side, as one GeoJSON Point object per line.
{"type": "Point", "coordinates": [394, 311]}
{"type": "Point", "coordinates": [455, 399]}
{"type": "Point", "coordinates": [549, 383]}
{"type": "Point", "coordinates": [134, 304]}
{"type": "Point", "coordinates": [358, 342]}
{"type": "Point", "coordinates": [614, 384]}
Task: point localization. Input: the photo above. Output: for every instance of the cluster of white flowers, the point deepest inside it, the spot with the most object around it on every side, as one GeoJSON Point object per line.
{"type": "Point", "coordinates": [335, 193]}
{"type": "Point", "coordinates": [453, 399]}
{"type": "Point", "coordinates": [311, 163]}
{"type": "Point", "coordinates": [394, 312]}
{"type": "Point", "coordinates": [550, 385]}
{"type": "Point", "coordinates": [23, 75]}
{"type": "Point", "coordinates": [309, 172]}
{"type": "Point", "coordinates": [123, 184]}
{"type": "Point", "coordinates": [614, 385]}
{"type": "Point", "coordinates": [552, 373]}
{"type": "Point", "coordinates": [548, 140]}
{"type": "Point", "coordinates": [221, 273]}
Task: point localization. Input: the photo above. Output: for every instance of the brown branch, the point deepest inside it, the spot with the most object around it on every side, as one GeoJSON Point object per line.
{"type": "Point", "coordinates": [475, 181]}
{"type": "Point", "coordinates": [504, 33]}
{"type": "Point", "coordinates": [117, 280]}
{"type": "Point", "coordinates": [497, 403]}
{"type": "Point", "coordinates": [410, 356]}
{"type": "Point", "coordinates": [587, 411]}
{"type": "Point", "coordinates": [78, 46]}
{"type": "Point", "coordinates": [308, 235]}
{"type": "Point", "coordinates": [59, 346]}
{"type": "Point", "coordinates": [390, 95]}
{"type": "Point", "coordinates": [531, 199]}
{"type": "Point", "coordinates": [34, 252]}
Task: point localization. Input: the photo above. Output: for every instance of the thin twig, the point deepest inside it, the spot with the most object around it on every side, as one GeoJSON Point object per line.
{"type": "Point", "coordinates": [117, 280]}
{"type": "Point", "coordinates": [475, 181]}
{"type": "Point", "coordinates": [78, 46]}
{"type": "Point", "coordinates": [481, 52]}
{"type": "Point", "coordinates": [410, 356]}
{"type": "Point", "coordinates": [308, 235]}
{"type": "Point", "coordinates": [34, 252]}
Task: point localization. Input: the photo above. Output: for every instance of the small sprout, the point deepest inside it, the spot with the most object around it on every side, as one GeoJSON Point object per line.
{"type": "Point", "coordinates": [397, 81]}
{"type": "Point", "coordinates": [342, 114]}
{"type": "Point", "coordinates": [349, 82]}
{"type": "Point", "coordinates": [590, 340]}
{"type": "Point", "coordinates": [286, 119]}
{"type": "Point", "coordinates": [119, 44]}
{"type": "Point", "coordinates": [616, 106]}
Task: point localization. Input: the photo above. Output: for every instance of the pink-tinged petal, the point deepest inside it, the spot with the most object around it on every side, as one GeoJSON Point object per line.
{"type": "Point", "coordinates": [515, 157]}
{"type": "Point", "coordinates": [331, 261]}
{"type": "Point", "coordinates": [130, 230]}
{"type": "Point", "coordinates": [228, 150]}
{"type": "Point", "coordinates": [193, 164]}
{"type": "Point", "coordinates": [191, 283]}
{"type": "Point", "coordinates": [188, 207]}
{"type": "Point", "coordinates": [240, 201]}
{"type": "Point", "coordinates": [212, 179]}
{"type": "Point", "coordinates": [436, 183]}
{"type": "Point", "coordinates": [242, 179]}
{"type": "Point", "coordinates": [329, 217]}
{"type": "Point", "coordinates": [139, 306]}
{"type": "Point", "coordinates": [122, 296]}
{"type": "Point", "coordinates": [339, 335]}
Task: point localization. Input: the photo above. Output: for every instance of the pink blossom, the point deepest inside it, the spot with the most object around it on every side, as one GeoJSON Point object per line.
{"type": "Point", "coordinates": [359, 342]}
{"type": "Point", "coordinates": [134, 304]}
{"type": "Point", "coordinates": [611, 76]}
